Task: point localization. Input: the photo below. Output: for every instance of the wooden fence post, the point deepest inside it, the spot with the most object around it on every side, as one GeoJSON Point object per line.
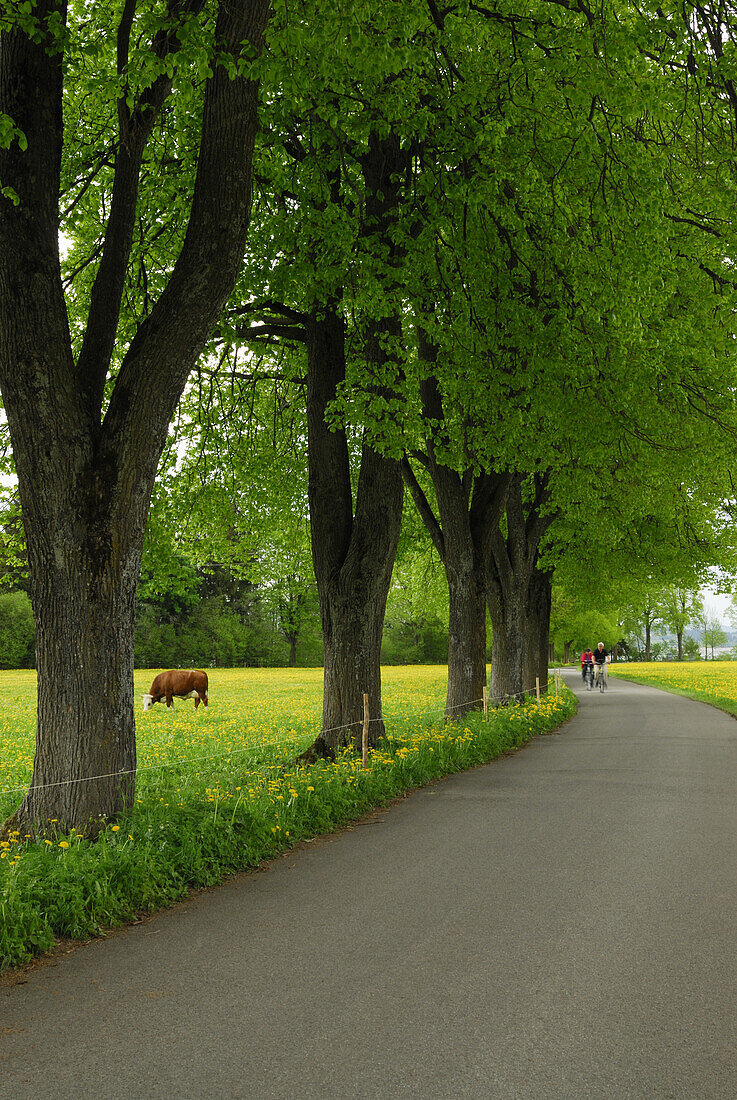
{"type": "Point", "coordinates": [486, 702]}
{"type": "Point", "coordinates": [364, 739]}
{"type": "Point", "coordinates": [537, 688]}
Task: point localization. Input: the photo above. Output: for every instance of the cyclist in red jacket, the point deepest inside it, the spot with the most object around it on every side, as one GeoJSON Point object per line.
{"type": "Point", "coordinates": [587, 662]}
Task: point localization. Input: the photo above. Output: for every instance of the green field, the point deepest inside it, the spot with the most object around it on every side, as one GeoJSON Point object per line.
{"type": "Point", "coordinates": [712, 682]}
{"type": "Point", "coordinates": [255, 715]}
{"type": "Point", "coordinates": [217, 791]}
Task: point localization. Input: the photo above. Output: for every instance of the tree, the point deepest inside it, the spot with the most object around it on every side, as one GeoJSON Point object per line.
{"type": "Point", "coordinates": [341, 164]}
{"type": "Point", "coordinates": [416, 625]}
{"type": "Point", "coordinates": [645, 614]}
{"type": "Point", "coordinates": [701, 620]}
{"type": "Point", "coordinates": [296, 610]}
{"type": "Point", "coordinates": [13, 553]}
{"type": "Point", "coordinates": [469, 507]}
{"type": "Point", "coordinates": [230, 514]}
{"type": "Point", "coordinates": [519, 592]}
{"type": "Point", "coordinates": [679, 606]}
{"type": "Point", "coordinates": [17, 635]}
{"type": "Point", "coordinates": [578, 620]}
{"type": "Point", "coordinates": [582, 295]}
{"type": "Point", "coordinates": [589, 328]}
{"type": "Point", "coordinates": [88, 425]}
{"type": "Point", "coordinates": [503, 297]}
{"type": "Point", "coordinates": [713, 632]}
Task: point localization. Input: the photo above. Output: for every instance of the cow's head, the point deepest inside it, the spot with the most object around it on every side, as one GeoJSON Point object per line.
{"type": "Point", "coordinates": [148, 702]}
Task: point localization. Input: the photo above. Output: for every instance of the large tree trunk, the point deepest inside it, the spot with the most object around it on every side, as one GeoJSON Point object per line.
{"type": "Point", "coordinates": [84, 523]}
{"type": "Point", "coordinates": [85, 479]}
{"type": "Point", "coordinates": [353, 555]}
{"type": "Point", "coordinates": [469, 509]}
{"type": "Point", "coordinates": [541, 592]}
{"type": "Point", "coordinates": [520, 611]}
{"type": "Point", "coordinates": [510, 667]}
{"type": "Point", "coordinates": [84, 647]}
{"type": "Point", "coordinates": [466, 523]}
{"type": "Point", "coordinates": [466, 636]}
{"type": "Point", "coordinates": [353, 606]}
{"type": "Point", "coordinates": [518, 596]}
{"type": "Point", "coordinates": [679, 637]}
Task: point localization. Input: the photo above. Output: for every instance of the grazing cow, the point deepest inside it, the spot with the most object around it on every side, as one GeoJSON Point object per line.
{"type": "Point", "coordinates": [189, 683]}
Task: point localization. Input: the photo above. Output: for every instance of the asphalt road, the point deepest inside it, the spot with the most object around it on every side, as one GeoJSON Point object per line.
{"type": "Point", "coordinates": [561, 923]}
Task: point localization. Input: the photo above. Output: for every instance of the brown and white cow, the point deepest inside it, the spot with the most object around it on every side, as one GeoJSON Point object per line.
{"type": "Point", "coordinates": [189, 683]}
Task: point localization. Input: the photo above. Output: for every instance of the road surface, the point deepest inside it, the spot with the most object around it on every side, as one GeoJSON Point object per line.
{"type": "Point", "coordinates": [561, 923]}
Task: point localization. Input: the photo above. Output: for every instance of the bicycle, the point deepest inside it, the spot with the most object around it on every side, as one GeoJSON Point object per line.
{"type": "Point", "coordinates": [588, 675]}
{"type": "Point", "coordinates": [601, 677]}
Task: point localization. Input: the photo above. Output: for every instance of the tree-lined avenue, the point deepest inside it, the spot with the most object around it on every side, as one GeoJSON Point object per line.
{"type": "Point", "coordinates": [559, 923]}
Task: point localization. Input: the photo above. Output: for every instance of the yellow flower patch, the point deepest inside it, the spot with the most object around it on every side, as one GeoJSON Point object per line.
{"type": "Point", "coordinates": [713, 681]}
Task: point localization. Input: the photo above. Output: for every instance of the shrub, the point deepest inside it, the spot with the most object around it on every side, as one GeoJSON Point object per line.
{"type": "Point", "coordinates": [17, 632]}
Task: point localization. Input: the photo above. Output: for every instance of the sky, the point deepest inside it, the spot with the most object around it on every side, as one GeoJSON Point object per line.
{"type": "Point", "coordinates": [718, 603]}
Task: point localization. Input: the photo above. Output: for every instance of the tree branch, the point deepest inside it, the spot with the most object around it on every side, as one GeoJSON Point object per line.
{"type": "Point", "coordinates": [273, 332]}
{"type": "Point", "coordinates": [168, 342]}
{"type": "Point", "coordinates": [269, 306]}
{"type": "Point", "coordinates": [487, 506]}
{"type": "Point", "coordinates": [135, 128]}
{"type": "Point", "coordinates": [423, 507]}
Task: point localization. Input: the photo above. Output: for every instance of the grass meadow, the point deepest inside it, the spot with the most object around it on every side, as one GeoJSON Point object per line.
{"type": "Point", "coordinates": [218, 791]}
{"type": "Point", "coordinates": [712, 682]}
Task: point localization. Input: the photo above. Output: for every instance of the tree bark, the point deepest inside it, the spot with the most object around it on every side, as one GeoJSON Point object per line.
{"type": "Point", "coordinates": [469, 510]}
{"type": "Point", "coordinates": [84, 649]}
{"type": "Point", "coordinates": [85, 483]}
{"type": "Point", "coordinates": [353, 621]}
{"type": "Point", "coordinates": [467, 519]}
{"type": "Point", "coordinates": [506, 600]}
{"type": "Point", "coordinates": [353, 555]}
{"type": "Point", "coordinates": [541, 592]}
{"type": "Point", "coordinates": [466, 634]}
{"type": "Point", "coordinates": [520, 611]}
{"type": "Point", "coordinates": [518, 595]}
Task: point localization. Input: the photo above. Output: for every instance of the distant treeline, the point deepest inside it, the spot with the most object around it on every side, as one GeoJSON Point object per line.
{"type": "Point", "coordinates": [224, 622]}
{"type": "Point", "coordinates": [226, 629]}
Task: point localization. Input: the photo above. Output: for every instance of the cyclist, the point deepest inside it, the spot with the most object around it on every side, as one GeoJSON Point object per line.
{"type": "Point", "coordinates": [587, 663]}
{"type": "Point", "coordinates": [601, 656]}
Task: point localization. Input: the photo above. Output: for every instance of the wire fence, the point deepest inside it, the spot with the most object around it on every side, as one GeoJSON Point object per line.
{"type": "Point", "coordinates": [187, 760]}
